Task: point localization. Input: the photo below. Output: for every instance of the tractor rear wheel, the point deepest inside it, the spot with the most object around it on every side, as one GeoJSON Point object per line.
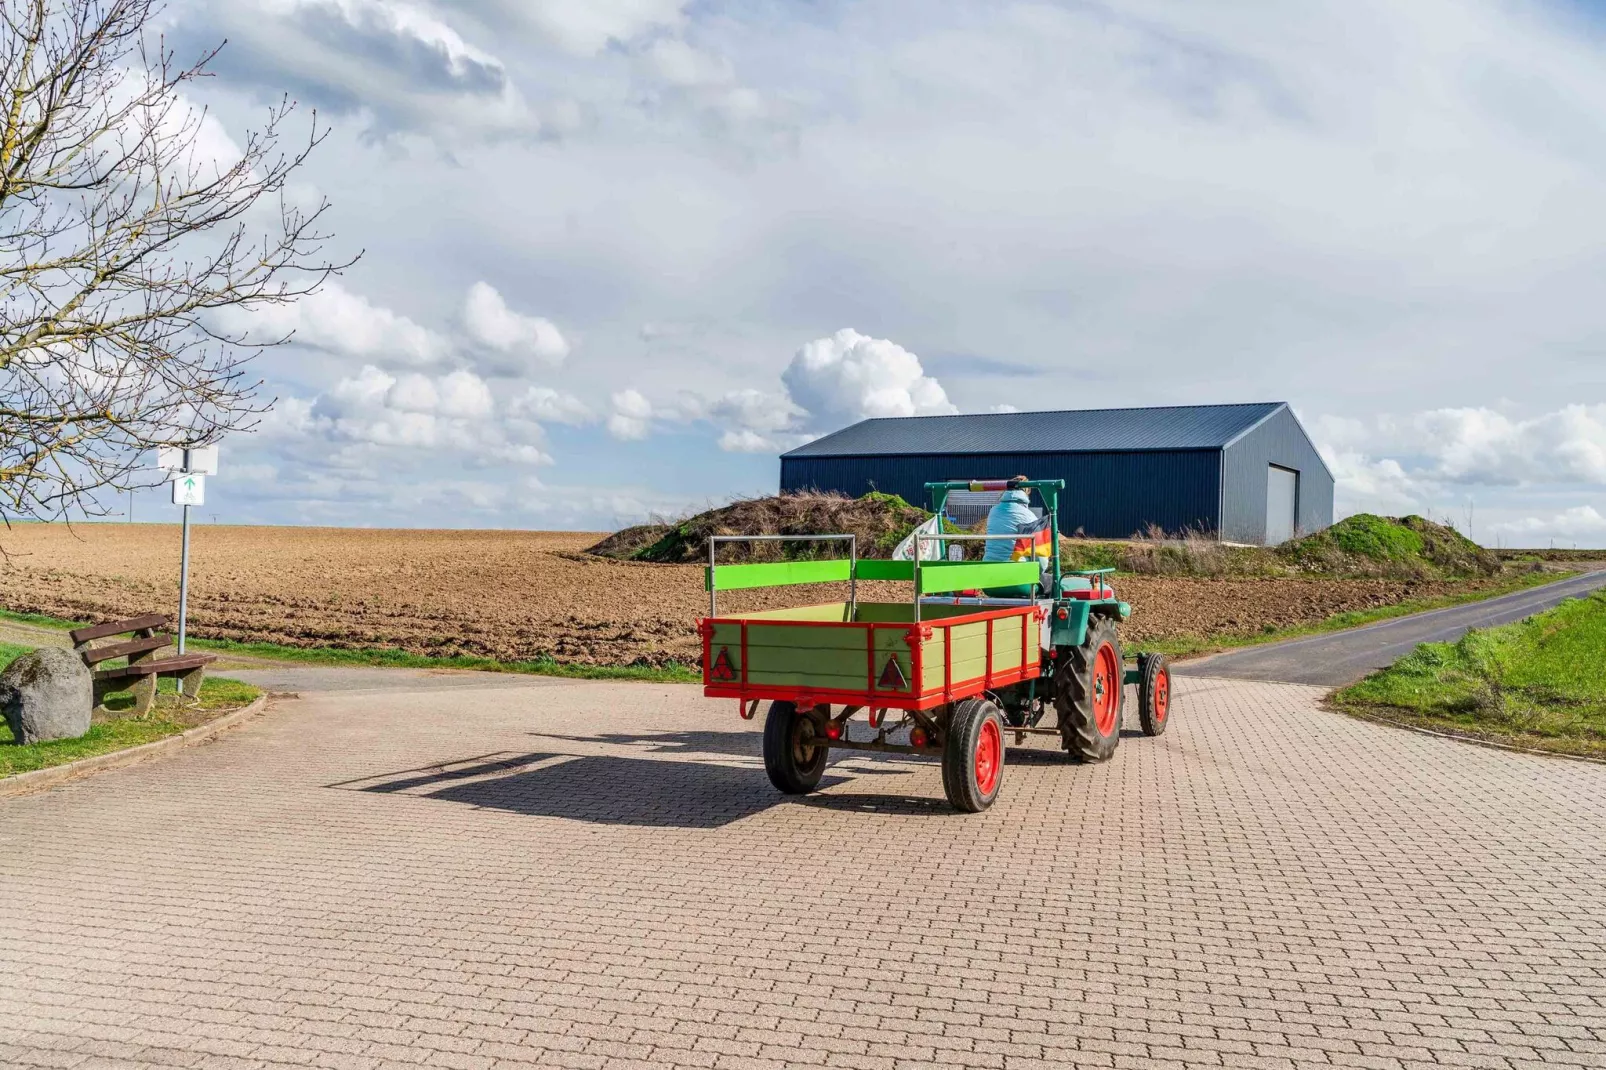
{"type": "Point", "coordinates": [973, 755]}
{"type": "Point", "coordinates": [1091, 694]}
{"type": "Point", "coordinates": [1154, 693]}
{"type": "Point", "coordinates": [794, 750]}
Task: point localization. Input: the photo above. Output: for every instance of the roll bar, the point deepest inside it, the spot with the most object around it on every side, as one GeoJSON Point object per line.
{"type": "Point", "coordinates": [1049, 489]}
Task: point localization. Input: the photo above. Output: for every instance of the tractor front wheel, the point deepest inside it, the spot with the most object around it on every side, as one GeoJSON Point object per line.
{"type": "Point", "coordinates": [973, 755]}
{"type": "Point", "coordinates": [1091, 693]}
{"type": "Point", "coordinates": [794, 748]}
{"type": "Point", "coordinates": [1154, 693]}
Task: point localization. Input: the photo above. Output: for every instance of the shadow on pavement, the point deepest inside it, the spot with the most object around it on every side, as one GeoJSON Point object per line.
{"type": "Point", "coordinates": [627, 791]}
{"type": "Point", "coordinates": [896, 805]}
{"type": "Point", "coordinates": [745, 744]}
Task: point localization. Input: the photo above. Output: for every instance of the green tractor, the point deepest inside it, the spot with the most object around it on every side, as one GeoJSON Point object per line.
{"type": "Point", "coordinates": [960, 667]}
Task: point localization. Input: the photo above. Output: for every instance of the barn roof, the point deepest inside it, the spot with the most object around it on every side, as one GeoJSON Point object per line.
{"type": "Point", "coordinates": [1174, 427]}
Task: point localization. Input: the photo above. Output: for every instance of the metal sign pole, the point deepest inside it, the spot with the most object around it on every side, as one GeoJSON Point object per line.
{"type": "Point", "coordinates": [184, 582]}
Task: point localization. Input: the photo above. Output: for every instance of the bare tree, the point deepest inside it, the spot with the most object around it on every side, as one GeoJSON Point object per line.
{"type": "Point", "coordinates": [128, 223]}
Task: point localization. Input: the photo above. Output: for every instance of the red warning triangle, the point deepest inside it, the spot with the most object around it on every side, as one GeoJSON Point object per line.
{"type": "Point", "coordinates": [892, 678]}
{"type": "Point", "coordinates": [723, 669]}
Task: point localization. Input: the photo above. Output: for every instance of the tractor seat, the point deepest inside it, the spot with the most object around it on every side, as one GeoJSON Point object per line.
{"type": "Point", "coordinates": [1082, 587]}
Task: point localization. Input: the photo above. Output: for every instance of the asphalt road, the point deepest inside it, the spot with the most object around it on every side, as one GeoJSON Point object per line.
{"type": "Point", "coordinates": [1344, 657]}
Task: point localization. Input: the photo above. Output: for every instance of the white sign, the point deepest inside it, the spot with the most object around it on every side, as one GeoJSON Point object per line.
{"type": "Point", "coordinates": [189, 489]}
{"type": "Point", "coordinates": [201, 459]}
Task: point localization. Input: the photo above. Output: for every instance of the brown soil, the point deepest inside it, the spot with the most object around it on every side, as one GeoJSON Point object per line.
{"type": "Point", "coordinates": [513, 594]}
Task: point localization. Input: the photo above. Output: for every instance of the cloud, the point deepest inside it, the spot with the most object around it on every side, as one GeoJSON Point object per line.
{"type": "Point", "coordinates": [491, 324]}
{"type": "Point", "coordinates": [1582, 523]}
{"type": "Point", "coordinates": [1481, 446]}
{"type": "Point", "coordinates": [631, 417]}
{"type": "Point", "coordinates": [454, 412]}
{"type": "Point", "coordinates": [338, 321]}
{"type": "Point", "coordinates": [553, 406]}
{"type": "Point", "coordinates": [586, 27]}
{"type": "Point", "coordinates": [850, 377]}
{"type": "Point", "coordinates": [399, 64]}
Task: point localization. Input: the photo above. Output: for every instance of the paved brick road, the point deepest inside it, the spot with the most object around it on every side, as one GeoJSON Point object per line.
{"type": "Point", "coordinates": [599, 875]}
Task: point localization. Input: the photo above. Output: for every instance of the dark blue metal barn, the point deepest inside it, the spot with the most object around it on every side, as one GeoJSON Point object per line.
{"type": "Point", "coordinates": [1247, 473]}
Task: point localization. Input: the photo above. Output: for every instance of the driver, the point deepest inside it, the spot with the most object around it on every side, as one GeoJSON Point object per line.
{"type": "Point", "coordinates": [1011, 516]}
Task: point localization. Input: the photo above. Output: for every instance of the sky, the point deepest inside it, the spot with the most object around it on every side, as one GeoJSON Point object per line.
{"type": "Point", "coordinates": [617, 255]}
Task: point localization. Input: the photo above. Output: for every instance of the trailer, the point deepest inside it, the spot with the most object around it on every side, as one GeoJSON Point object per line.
{"type": "Point", "coordinates": [952, 674]}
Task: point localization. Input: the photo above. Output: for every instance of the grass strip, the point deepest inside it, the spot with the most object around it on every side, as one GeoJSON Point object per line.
{"type": "Point", "coordinates": [113, 733]}
{"type": "Point", "coordinates": [1534, 684]}
{"type": "Point", "coordinates": [1187, 646]}
{"type": "Point", "coordinates": [671, 672]}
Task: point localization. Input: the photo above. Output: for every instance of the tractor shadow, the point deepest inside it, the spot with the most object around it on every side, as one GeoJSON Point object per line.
{"type": "Point", "coordinates": [741, 744]}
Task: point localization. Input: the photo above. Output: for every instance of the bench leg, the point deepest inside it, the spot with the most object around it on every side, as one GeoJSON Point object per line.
{"type": "Point", "coordinates": [144, 693]}
{"type": "Point", "coordinates": [189, 683]}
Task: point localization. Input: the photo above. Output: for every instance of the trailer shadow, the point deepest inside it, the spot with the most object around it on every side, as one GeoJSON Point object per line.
{"type": "Point", "coordinates": [608, 790]}
{"type": "Point", "coordinates": [743, 744]}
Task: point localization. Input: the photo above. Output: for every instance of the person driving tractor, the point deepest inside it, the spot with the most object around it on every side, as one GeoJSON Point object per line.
{"type": "Point", "coordinates": [1012, 515]}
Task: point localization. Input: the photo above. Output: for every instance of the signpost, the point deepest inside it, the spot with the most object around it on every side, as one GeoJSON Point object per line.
{"type": "Point", "coordinates": [187, 469]}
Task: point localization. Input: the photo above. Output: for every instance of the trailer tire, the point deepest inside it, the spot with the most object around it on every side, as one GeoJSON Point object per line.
{"type": "Point", "coordinates": [973, 755]}
{"type": "Point", "coordinates": [1091, 694]}
{"type": "Point", "coordinates": [794, 766]}
{"type": "Point", "coordinates": [1154, 693]}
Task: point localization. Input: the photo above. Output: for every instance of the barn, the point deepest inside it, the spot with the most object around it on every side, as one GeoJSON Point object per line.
{"type": "Point", "coordinates": [1246, 473]}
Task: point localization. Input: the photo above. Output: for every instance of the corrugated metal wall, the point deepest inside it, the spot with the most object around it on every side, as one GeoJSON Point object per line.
{"type": "Point", "coordinates": [1108, 495]}
{"type": "Point", "coordinates": [1280, 441]}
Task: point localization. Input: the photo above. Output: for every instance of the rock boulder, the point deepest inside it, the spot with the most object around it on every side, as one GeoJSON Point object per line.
{"type": "Point", "coordinates": [47, 694]}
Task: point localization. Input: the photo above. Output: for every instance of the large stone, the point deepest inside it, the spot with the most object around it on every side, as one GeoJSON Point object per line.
{"type": "Point", "coordinates": [47, 695]}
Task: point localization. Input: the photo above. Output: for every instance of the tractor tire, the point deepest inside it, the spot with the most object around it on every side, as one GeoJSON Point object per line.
{"type": "Point", "coordinates": [1154, 693]}
{"type": "Point", "coordinates": [973, 755]}
{"type": "Point", "coordinates": [1091, 694]}
{"type": "Point", "coordinates": [793, 763]}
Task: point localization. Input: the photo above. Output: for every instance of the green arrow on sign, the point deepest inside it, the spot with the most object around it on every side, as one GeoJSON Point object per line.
{"type": "Point", "coordinates": [189, 484]}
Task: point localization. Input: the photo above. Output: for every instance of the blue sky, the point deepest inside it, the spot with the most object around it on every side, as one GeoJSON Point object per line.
{"type": "Point", "coordinates": [619, 254]}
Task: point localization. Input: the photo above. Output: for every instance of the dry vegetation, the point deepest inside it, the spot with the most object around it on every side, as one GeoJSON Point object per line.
{"type": "Point", "coordinates": [521, 595]}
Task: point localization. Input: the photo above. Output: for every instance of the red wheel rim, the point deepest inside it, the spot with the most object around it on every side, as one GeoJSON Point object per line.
{"type": "Point", "coordinates": [1162, 695]}
{"type": "Point", "coordinates": [1106, 689]}
{"type": "Point", "coordinates": [989, 756]}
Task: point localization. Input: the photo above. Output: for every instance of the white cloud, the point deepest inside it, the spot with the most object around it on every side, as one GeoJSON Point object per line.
{"type": "Point", "coordinates": [489, 322]}
{"type": "Point", "coordinates": [850, 377]}
{"type": "Point", "coordinates": [553, 406]}
{"type": "Point", "coordinates": [453, 412]}
{"type": "Point", "coordinates": [632, 415]}
{"type": "Point", "coordinates": [338, 321]}
{"type": "Point", "coordinates": [586, 27]}
{"type": "Point", "coordinates": [401, 65]}
{"type": "Point", "coordinates": [1479, 446]}
{"type": "Point", "coordinates": [1582, 523]}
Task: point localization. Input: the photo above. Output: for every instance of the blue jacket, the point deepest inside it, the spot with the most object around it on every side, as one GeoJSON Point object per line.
{"type": "Point", "coordinates": [1011, 516]}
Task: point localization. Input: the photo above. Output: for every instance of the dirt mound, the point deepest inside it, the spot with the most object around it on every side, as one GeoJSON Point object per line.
{"type": "Point", "coordinates": [627, 543]}
{"type": "Point", "coordinates": [879, 520]}
{"type": "Point", "coordinates": [1409, 546]}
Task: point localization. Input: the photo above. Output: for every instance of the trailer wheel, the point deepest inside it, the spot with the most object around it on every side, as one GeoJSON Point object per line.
{"type": "Point", "coordinates": [792, 759]}
{"type": "Point", "coordinates": [973, 755]}
{"type": "Point", "coordinates": [1090, 696]}
{"type": "Point", "coordinates": [1154, 693]}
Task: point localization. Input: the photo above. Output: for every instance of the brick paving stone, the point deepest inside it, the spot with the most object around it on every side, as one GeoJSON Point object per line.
{"type": "Point", "coordinates": [599, 875]}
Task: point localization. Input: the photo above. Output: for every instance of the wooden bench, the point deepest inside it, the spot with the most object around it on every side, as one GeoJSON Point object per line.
{"type": "Point", "coordinates": [144, 666]}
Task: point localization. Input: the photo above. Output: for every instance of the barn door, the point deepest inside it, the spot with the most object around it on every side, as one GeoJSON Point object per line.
{"type": "Point", "coordinates": [1282, 504]}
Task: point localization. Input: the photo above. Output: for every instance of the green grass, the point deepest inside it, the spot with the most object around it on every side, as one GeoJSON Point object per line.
{"type": "Point", "coordinates": [1536, 683]}
{"type": "Point", "coordinates": [1193, 645]}
{"type": "Point", "coordinates": [118, 733]}
{"type": "Point", "coordinates": [672, 672]}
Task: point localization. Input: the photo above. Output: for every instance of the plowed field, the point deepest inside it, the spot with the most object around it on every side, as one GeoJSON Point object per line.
{"type": "Point", "coordinates": [509, 594]}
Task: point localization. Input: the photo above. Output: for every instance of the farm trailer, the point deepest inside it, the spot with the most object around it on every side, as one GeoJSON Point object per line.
{"type": "Point", "coordinates": [960, 670]}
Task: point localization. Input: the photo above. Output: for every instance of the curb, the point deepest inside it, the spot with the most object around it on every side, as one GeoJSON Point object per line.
{"type": "Point", "coordinates": [43, 779]}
